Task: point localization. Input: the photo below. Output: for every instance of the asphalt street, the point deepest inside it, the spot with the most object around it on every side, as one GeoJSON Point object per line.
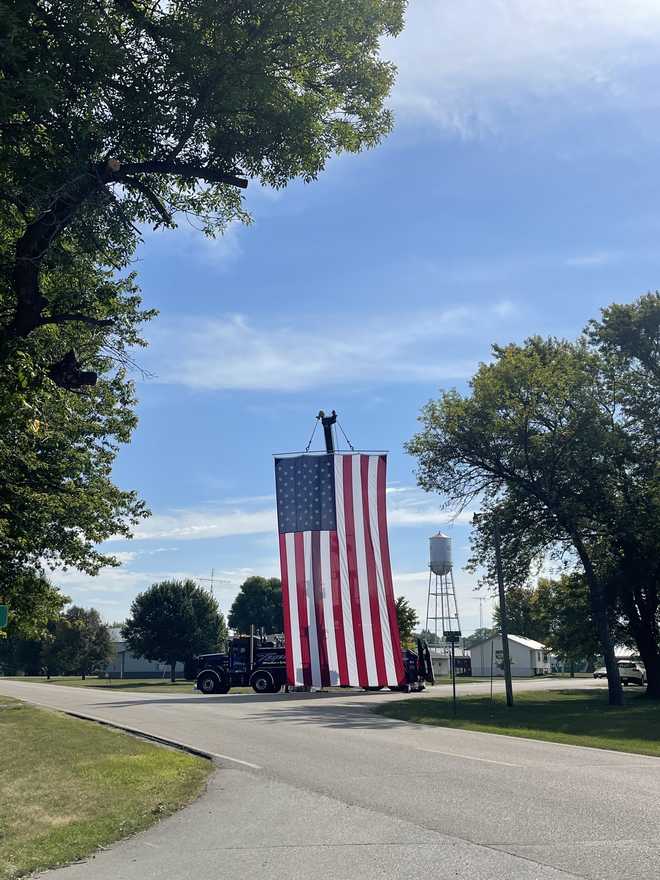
{"type": "Point", "coordinates": [316, 786]}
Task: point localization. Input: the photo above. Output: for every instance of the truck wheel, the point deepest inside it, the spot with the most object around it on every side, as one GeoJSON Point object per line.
{"type": "Point", "coordinates": [211, 683]}
{"type": "Point", "coordinates": [262, 682]}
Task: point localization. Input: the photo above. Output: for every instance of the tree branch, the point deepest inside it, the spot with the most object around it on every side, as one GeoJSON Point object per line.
{"type": "Point", "coordinates": [71, 317]}
{"type": "Point", "coordinates": [151, 196]}
{"type": "Point", "coordinates": [181, 169]}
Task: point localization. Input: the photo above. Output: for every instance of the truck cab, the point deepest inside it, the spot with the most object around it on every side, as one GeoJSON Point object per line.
{"type": "Point", "coordinates": [248, 662]}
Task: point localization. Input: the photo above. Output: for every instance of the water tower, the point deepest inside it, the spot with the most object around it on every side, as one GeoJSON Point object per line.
{"type": "Point", "coordinates": [441, 606]}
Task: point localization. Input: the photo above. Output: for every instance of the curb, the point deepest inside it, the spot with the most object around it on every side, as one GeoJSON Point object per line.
{"type": "Point", "coordinates": [173, 743]}
{"type": "Point", "coordinates": [213, 757]}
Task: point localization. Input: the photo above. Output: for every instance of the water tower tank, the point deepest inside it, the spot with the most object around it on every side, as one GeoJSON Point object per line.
{"type": "Point", "coordinates": [440, 553]}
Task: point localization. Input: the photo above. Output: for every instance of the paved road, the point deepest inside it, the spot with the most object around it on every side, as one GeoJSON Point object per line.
{"type": "Point", "coordinates": [315, 786]}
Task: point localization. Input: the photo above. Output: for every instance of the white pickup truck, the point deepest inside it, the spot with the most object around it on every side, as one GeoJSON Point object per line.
{"type": "Point", "coordinates": [630, 672]}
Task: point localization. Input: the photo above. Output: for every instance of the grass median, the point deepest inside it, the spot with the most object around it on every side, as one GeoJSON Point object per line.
{"type": "Point", "coordinates": [69, 786]}
{"type": "Point", "coordinates": [142, 685]}
{"type": "Point", "coordinates": [577, 717]}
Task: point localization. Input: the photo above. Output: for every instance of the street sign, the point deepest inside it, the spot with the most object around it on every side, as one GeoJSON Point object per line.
{"type": "Point", "coordinates": [4, 613]}
{"type": "Point", "coordinates": [452, 637]}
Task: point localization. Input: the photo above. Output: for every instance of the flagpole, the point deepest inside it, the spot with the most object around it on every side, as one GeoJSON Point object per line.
{"type": "Point", "coordinates": [328, 422]}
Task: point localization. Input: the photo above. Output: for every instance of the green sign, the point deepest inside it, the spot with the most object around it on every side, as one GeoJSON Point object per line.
{"type": "Point", "coordinates": [4, 612]}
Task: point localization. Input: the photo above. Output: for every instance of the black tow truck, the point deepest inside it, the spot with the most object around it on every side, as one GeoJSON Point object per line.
{"type": "Point", "coordinates": [261, 664]}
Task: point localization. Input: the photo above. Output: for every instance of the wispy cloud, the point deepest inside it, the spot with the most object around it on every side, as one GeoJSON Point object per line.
{"type": "Point", "coordinates": [471, 64]}
{"type": "Point", "coordinates": [235, 353]}
{"type": "Point", "coordinates": [190, 525]}
{"type": "Point", "coordinates": [407, 506]}
{"type": "Point", "coordinates": [598, 258]}
{"type": "Point", "coordinates": [189, 242]}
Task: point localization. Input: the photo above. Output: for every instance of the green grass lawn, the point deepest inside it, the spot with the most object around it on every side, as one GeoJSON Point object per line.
{"type": "Point", "coordinates": [578, 717]}
{"type": "Point", "coordinates": [69, 786]}
{"type": "Point", "coordinates": [150, 685]}
{"type": "Point", "coordinates": [145, 685]}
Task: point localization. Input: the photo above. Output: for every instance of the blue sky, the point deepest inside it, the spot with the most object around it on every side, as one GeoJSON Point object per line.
{"type": "Point", "coordinates": [518, 194]}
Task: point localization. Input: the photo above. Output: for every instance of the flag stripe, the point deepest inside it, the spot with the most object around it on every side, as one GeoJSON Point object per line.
{"type": "Point", "coordinates": [292, 590]}
{"type": "Point", "coordinates": [319, 615]}
{"type": "Point", "coordinates": [302, 608]}
{"type": "Point", "coordinates": [372, 585]}
{"type": "Point", "coordinates": [387, 569]}
{"type": "Point", "coordinates": [344, 578]}
{"type": "Point", "coordinates": [338, 612]}
{"type": "Point", "coordinates": [363, 576]}
{"type": "Point", "coordinates": [381, 590]}
{"type": "Point", "coordinates": [315, 665]}
{"type": "Point", "coordinates": [353, 573]}
{"type": "Point", "coordinates": [286, 611]}
{"type": "Point", "coordinates": [328, 610]}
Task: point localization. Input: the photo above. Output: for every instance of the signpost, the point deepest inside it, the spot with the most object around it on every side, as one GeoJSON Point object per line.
{"type": "Point", "coordinates": [4, 616]}
{"type": "Point", "coordinates": [453, 637]}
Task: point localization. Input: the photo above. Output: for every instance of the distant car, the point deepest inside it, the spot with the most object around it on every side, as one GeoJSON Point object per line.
{"type": "Point", "coordinates": [630, 672]}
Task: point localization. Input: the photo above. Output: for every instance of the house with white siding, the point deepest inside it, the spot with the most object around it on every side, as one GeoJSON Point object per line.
{"type": "Point", "coordinates": [127, 665]}
{"type": "Point", "coordinates": [528, 657]}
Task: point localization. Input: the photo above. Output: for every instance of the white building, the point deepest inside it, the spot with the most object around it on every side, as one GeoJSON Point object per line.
{"type": "Point", "coordinates": [528, 657]}
{"type": "Point", "coordinates": [127, 665]}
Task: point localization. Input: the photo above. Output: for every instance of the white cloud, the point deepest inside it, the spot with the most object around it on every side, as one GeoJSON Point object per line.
{"type": "Point", "coordinates": [234, 353]}
{"type": "Point", "coordinates": [188, 241]}
{"type": "Point", "coordinates": [468, 63]}
{"type": "Point", "coordinates": [113, 589]}
{"type": "Point", "coordinates": [599, 258]}
{"type": "Point", "coordinates": [188, 525]}
{"type": "Point", "coordinates": [410, 506]}
{"type": "Point", "coordinates": [407, 506]}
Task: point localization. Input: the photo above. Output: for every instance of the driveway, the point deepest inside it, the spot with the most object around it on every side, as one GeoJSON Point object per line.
{"type": "Point", "coordinates": [315, 785]}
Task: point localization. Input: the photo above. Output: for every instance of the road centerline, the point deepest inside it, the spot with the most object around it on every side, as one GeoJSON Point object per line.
{"type": "Point", "coordinates": [468, 757]}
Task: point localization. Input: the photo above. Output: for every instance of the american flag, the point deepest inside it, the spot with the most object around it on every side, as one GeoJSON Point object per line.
{"type": "Point", "coordinates": [339, 612]}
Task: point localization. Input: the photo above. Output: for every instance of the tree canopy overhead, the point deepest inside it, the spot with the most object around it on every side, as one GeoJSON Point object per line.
{"type": "Point", "coordinates": [119, 111]}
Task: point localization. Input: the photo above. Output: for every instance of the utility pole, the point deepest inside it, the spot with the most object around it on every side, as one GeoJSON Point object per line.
{"type": "Point", "coordinates": [328, 422]}
{"type": "Point", "coordinates": [210, 581]}
{"type": "Point", "coordinates": [504, 626]}
{"type": "Point", "coordinates": [481, 612]}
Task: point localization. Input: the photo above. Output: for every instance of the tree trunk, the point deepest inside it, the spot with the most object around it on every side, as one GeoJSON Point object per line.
{"type": "Point", "coordinates": [173, 672]}
{"type": "Point", "coordinates": [83, 675]}
{"type": "Point", "coordinates": [572, 668]}
{"type": "Point", "coordinates": [598, 601]}
{"type": "Point", "coordinates": [645, 634]}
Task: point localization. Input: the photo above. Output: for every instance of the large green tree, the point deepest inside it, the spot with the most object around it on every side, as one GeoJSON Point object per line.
{"type": "Point", "coordinates": [406, 619]}
{"type": "Point", "coordinates": [33, 603]}
{"type": "Point", "coordinates": [172, 621]}
{"type": "Point", "coordinates": [558, 443]}
{"type": "Point", "coordinates": [115, 114]}
{"type": "Point", "coordinates": [80, 643]}
{"type": "Point", "coordinates": [479, 635]}
{"type": "Point", "coordinates": [258, 604]}
{"type": "Point", "coordinates": [522, 614]}
{"type": "Point", "coordinates": [564, 612]}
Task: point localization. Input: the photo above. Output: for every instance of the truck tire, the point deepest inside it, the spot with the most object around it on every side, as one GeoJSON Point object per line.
{"type": "Point", "coordinates": [209, 682]}
{"type": "Point", "coordinates": [262, 682]}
